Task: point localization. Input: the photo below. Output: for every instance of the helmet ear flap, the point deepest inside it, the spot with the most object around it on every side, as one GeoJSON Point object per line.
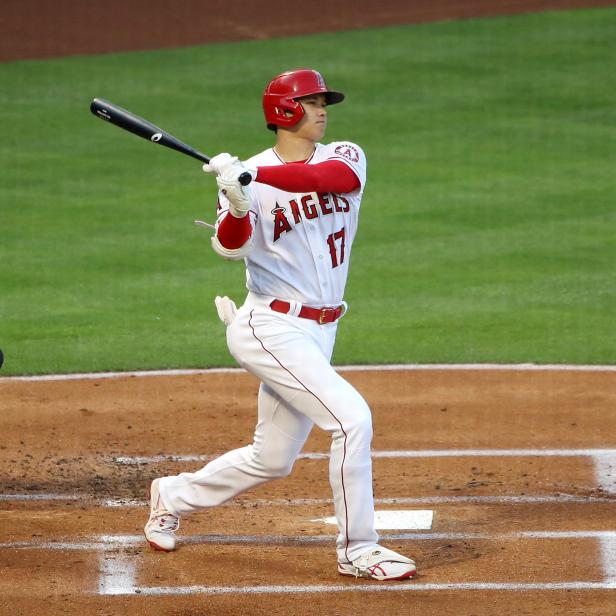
{"type": "Point", "coordinates": [282, 111]}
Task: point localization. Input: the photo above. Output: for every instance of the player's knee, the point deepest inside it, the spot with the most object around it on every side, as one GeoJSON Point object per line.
{"type": "Point", "coordinates": [282, 470]}
{"type": "Point", "coordinates": [273, 464]}
{"type": "Point", "coordinates": [357, 425]}
{"type": "Point", "coordinates": [360, 430]}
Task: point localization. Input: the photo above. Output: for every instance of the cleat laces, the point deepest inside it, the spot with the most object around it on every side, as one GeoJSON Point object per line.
{"type": "Point", "coordinates": [165, 521]}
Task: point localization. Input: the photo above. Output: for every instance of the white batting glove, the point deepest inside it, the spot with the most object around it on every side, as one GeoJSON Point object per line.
{"type": "Point", "coordinates": [226, 309]}
{"type": "Point", "coordinates": [237, 195]}
{"type": "Point", "coordinates": [237, 168]}
{"type": "Point", "coordinates": [219, 163]}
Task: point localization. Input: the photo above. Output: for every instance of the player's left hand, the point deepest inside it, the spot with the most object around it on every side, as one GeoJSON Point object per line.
{"type": "Point", "coordinates": [229, 166]}
{"type": "Point", "coordinates": [220, 163]}
{"type": "Point", "coordinates": [226, 309]}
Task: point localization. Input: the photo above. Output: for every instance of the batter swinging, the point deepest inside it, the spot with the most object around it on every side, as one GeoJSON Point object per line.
{"type": "Point", "coordinates": [294, 226]}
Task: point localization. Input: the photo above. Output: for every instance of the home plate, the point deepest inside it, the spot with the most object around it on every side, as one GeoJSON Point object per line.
{"type": "Point", "coordinates": [398, 520]}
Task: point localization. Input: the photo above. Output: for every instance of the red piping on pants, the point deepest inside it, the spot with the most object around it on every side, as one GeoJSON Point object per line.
{"type": "Point", "coordinates": [346, 510]}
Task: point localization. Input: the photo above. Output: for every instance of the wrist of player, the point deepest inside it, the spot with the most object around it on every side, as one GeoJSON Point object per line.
{"type": "Point", "coordinates": [235, 212]}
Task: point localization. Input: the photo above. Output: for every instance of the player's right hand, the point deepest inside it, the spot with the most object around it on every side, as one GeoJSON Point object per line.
{"type": "Point", "coordinates": [236, 194]}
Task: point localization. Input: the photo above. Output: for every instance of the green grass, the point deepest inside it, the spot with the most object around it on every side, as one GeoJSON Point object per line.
{"type": "Point", "coordinates": [488, 227]}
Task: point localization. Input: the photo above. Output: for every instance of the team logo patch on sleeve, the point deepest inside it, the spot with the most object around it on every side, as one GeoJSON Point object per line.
{"type": "Point", "coordinates": [348, 151]}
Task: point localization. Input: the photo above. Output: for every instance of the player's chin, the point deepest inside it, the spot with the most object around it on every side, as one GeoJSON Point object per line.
{"type": "Point", "coordinates": [319, 131]}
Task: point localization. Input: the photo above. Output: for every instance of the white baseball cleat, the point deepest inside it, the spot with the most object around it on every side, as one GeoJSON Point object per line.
{"type": "Point", "coordinates": [380, 564]}
{"type": "Point", "coordinates": [161, 527]}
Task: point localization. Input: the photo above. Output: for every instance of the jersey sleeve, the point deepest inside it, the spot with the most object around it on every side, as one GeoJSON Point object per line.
{"type": "Point", "coordinates": [350, 154]}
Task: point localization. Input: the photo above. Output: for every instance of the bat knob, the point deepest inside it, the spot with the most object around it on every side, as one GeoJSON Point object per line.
{"type": "Point", "coordinates": [245, 178]}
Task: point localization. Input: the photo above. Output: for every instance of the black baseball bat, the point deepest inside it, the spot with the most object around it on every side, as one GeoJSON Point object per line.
{"type": "Point", "coordinates": [123, 118]}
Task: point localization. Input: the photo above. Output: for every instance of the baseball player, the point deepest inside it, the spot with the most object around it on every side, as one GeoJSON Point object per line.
{"type": "Point", "coordinates": [294, 226]}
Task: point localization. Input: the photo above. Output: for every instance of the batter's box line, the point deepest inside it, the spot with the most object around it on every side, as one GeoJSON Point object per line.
{"type": "Point", "coordinates": [118, 571]}
{"type": "Point", "coordinates": [118, 542]}
{"type": "Point", "coordinates": [408, 453]}
{"type": "Point", "coordinates": [604, 459]}
{"type": "Point", "coordinates": [361, 587]}
{"type": "Point", "coordinates": [523, 499]}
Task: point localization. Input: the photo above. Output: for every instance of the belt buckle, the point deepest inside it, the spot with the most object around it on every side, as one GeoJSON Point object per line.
{"type": "Point", "coordinates": [323, 314]}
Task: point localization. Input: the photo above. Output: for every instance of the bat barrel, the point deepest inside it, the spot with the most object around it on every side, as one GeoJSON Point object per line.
{"type": "Point", "coordinates": [110, 112]}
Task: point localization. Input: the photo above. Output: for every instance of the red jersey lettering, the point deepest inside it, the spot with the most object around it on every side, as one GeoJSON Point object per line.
{"type": "Point", "coordinates": [326, 207]}
{"type": "Point", "coordinates": [281, 224]}
{"type": "Point", "coordinates": [309, 207]}
{"type": "Point", "coordinates": [297, 217]}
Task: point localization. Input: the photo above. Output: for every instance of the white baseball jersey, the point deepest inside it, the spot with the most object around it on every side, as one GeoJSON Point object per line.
{"type": "Point", "coordinates": [302, 241]}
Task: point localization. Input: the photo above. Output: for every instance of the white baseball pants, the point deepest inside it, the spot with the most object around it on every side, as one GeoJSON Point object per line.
{"type": "Point", "coordinates": [291, 356]}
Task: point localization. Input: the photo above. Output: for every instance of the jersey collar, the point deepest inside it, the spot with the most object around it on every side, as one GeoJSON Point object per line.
{"type": "Point", "coordinates": [284, 162]}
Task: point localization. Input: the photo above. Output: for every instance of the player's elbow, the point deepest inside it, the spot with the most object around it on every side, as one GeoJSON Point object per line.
{"type": "Point", "coordinates": [232, 254]}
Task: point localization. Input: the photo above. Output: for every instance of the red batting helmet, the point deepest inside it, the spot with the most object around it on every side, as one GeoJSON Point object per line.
{"type": "Point", "coordinates": [282, 92]}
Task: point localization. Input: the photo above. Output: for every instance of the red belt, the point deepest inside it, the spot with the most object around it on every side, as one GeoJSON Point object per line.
{"type": "Point", "coordinates": [320, 315]}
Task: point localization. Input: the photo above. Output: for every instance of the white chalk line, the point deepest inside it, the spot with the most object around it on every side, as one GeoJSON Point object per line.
{"type": "Point", "coordinates": [361, 586]}
{"type": "Point", "coordinates": [117, 570]}
{"type": "Point", "coordinates": [604, 459]}
{"type": "Point", "coordinates": [38, 497]}
{"type": "Point", "coordinates": [115, 542]}
{"type": "Point", "coordinates": [353, 368]}
{"type": "Point", "coordinates": [428, 453]}
{"type": "Point", "coordinates": [608, 556]}
{"type": "Point", "coordinates": [605, 472]}
{"type": "Point", "coordinates": [311, 502]}
{"type": "Point", "coordinates": [117, 574]}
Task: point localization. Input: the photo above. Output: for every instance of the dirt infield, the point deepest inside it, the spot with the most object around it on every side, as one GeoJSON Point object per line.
{"type": "Point", "coordinates": [40, 29]}
{"type": "Point", "coordinates": [517, 466]}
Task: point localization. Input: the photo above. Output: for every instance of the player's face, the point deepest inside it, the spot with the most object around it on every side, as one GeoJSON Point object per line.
{"type": "Point", "coordinates": [312, 126]}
